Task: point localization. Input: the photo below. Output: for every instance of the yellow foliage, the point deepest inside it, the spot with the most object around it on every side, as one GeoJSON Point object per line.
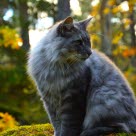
{"type": "Point", "coordinates": [7, 121]}
{"type": "Point", "coordinates": [124, 51]}
{"type": "Point", "coordinates": [115, 10]}
{"type": "Point", "coordinates": [106, 10]}
{"type": "Point", "coordinates": [123, 7]}
{"type": "Point", "coordinates": [131, 4]}
{"type": "Point", "coordinates": [117, 37]}
{"type": "Point", "coordinates": [126, 22]}
{"type": "Point", "coordinates": [111, 2]}
{"type": "Point", "coordinates": [95, 38]}
{"type": "Point", "coordinates": [9, 38]}
{"type": "Point", "coordinates": [131, 76]}
{"type": "Point", "coordinates": [95, 10]}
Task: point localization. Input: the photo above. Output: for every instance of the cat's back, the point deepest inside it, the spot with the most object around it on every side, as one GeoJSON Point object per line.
{"type": "Point", "coordinates": [109, 94]}
{"type": "Point", "coordinates": [105, 72]}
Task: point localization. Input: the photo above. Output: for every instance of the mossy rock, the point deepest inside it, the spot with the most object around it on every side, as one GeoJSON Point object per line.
{"type": "Point", "coordinates": [33, 130]}
{"type": "Point", "coordinates": [39, 130]}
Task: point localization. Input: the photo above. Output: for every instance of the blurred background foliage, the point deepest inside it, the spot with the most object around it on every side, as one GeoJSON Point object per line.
{"type": "Point", "coordinates": [112, 30]}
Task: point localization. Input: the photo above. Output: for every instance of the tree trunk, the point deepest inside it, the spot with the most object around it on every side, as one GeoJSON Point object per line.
{"type": "Point", "coordinates": [106, 30]}
{"type": "Point", "coordinates": [3, 7]}
{"type": "Point", "coordinates": [132, 34]}
{"type": "Point", "coordinates": [63, 10]}
{"type": "Point", "coordinates": [23, 22]}
{"type": "Point", "coordinates": [132, 30]}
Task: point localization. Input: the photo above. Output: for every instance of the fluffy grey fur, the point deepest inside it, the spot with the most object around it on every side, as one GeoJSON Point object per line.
{"type": "Point", "coordinates": [83, 92]}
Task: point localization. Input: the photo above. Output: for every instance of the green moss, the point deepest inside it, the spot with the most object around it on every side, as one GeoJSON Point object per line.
{"type": "Point", "coordinates": [124, 134]}
{"type": "Point", "coordinates": [34, 130]}
{"type": "Point", "coordinates": [39, 130]}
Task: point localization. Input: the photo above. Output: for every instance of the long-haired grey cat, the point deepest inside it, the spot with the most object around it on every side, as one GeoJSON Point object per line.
{"type": "Point", "coordinates": [83, 92]}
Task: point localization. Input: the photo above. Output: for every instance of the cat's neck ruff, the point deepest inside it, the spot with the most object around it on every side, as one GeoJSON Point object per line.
{"type": "Point", "coordinates": [60, 75]}
{"type": "Point", "coordinates": [53, 71]}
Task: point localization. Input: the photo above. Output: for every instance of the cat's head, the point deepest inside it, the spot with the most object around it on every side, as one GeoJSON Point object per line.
{"type": "Point", "coordinates": [68, 41]}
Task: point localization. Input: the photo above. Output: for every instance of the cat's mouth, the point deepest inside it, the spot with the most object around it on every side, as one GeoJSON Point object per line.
{"type": "Point", "coordinates": [76, 58]}
{"type": "Point", "coordinates": [72, 58]}
{"type": "Point", "coordinates": [84, 57]}
{"type": "Point", "coordinates": [81, 57]}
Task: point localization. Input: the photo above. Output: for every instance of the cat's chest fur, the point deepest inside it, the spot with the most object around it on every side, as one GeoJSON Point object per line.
{"type": "Point", "coordinates": [55, 82]}
{"type": "Point", "coordinates": [58, 85]}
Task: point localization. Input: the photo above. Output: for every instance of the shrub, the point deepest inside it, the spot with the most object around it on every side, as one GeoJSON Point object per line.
{"type": "Point", "coordinates": [7, 121]}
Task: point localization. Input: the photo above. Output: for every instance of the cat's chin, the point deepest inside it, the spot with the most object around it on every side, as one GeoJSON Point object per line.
{"type": "Point", "coordinates": [83, 58]}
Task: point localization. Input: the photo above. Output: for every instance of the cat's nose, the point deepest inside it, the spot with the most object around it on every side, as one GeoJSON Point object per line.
{"type": "Point", "coordinates": [89, 53]}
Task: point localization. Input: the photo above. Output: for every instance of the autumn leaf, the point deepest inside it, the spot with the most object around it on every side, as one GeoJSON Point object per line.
{"type": "Point", "coordinates": [115, 10]}
{"type": "Point", "coordinates": [111, 2]}
{"type": "Point", "coordinates": [106, 10]}
{"type": "Point", "coordinates": [10, 38]}
{"type": "Point", "coordinates": [117, 37]}
{"type": "Point", "coordinates": [7, 121]}
{"type": "Point", "coordinates": [126, 22]}
{"type": "Point", "coordinates": [129, 52]}
{"type": "Point", "coordinates": [131, 4]}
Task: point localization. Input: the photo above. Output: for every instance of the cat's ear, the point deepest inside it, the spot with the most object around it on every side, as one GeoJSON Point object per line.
{"type": "Point", "coordinates": [66, 26]}
{"type": "Point", "coordinates": [68, 20]}
{"type": "Point", "coordinates": [85, 23]}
